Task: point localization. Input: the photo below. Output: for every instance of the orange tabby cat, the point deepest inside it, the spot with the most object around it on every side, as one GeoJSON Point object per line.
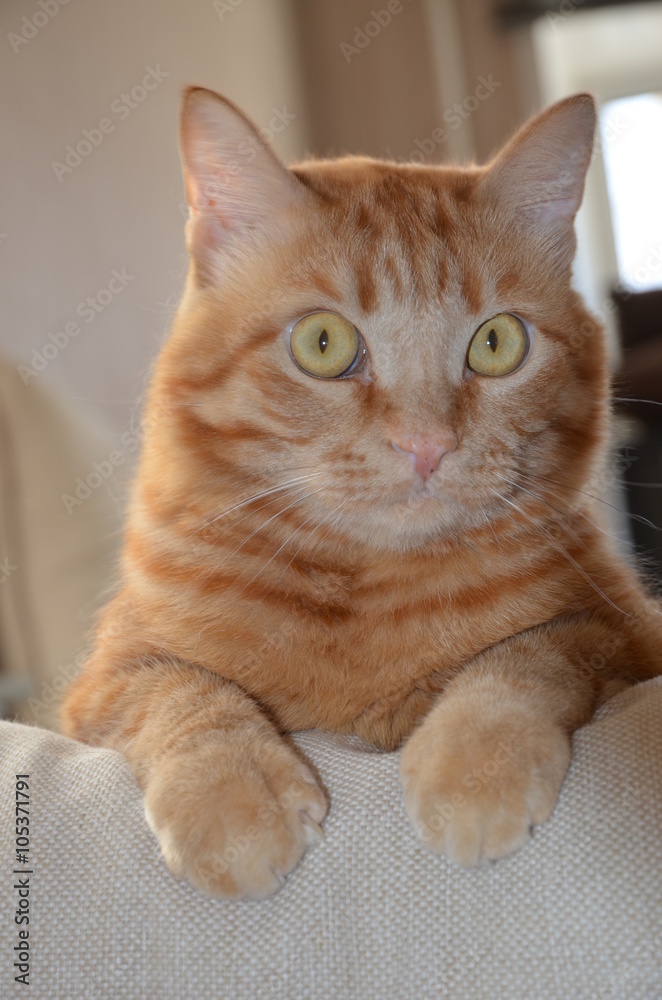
{"type": "Point", "coordinates": [363, 505]}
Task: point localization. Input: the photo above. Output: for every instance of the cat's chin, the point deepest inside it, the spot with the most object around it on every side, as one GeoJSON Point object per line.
{"type": "Point", "coordinates": [415, 519]}
{"type": "Point", "coordinates": [422, 499]}
{"type": "Point", "coordinates": [419, 496]}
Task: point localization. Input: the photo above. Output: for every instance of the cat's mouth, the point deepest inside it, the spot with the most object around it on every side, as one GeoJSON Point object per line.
{"type": "Point", "coordinates": [416, 497]}
{"type": "Point", "coordinates": [421, 494]}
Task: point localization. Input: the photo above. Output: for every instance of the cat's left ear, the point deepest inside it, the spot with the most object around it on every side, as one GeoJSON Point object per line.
{"type": "Point", "coordinates": [539, 175]}
{"type": "Point", "coordinates": [236, 187]}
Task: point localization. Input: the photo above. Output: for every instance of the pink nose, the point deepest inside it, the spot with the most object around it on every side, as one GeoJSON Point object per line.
{"type": "Point", "coordinates": [425, 450]}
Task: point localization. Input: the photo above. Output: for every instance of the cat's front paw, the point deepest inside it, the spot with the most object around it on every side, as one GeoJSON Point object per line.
{"type": "Point", "coordinates": [233, 822]}
{"type": "Point", "coordinates": [473, 789]}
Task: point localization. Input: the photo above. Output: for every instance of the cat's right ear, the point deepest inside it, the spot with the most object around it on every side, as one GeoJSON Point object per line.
{"type": "Point", "coordinates": [236, 187]}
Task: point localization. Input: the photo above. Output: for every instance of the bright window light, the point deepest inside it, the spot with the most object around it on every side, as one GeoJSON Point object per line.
{"type": "Point", "coordinates": [631, 131]}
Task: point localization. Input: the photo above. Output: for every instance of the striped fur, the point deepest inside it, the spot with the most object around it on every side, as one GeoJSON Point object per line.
{"type": "Point", "coordinates": [283, 567]}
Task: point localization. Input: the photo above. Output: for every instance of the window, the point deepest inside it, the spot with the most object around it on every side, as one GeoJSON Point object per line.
{"type": "Point", "coordinates": [631, 132]}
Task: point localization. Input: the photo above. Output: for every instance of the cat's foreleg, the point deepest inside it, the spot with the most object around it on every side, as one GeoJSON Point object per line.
{"type": "Point", "coordinates": [232, 805]}
{"type": "Point", "coordinates": [487, 763]}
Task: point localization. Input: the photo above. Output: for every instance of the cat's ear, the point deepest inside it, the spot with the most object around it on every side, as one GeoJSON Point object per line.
{"type": "Point", "coordinates": [539, 175]}
{"type": "Point", "coordinates": [236, 187]}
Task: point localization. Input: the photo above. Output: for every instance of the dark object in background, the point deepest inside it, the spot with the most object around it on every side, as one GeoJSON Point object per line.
{"type": "Point", "coordinates": [514, 13]}
{"type": "Point", "coordinates": [639, 394]}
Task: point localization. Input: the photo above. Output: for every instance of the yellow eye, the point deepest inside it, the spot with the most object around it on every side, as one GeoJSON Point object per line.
{"type": "Point", "coordinates": [499, 346]}
{"type": "Point", "coordinates": [324, 344]}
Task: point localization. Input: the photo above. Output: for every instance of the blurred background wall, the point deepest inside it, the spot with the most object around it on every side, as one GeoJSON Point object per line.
{"type": "Point", "coordinates": [92, 255]}
{"type": "Point", "coordinates": [346, 82]}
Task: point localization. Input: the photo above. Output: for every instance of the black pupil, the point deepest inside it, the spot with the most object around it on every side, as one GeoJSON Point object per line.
{"type": "Point", "coordinates": [323, 341]}
{"type": "Point", "coordinates": [493, 340]}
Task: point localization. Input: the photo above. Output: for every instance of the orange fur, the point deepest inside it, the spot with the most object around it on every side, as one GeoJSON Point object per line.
{"type": "Point", "coordinates": [284, 567]}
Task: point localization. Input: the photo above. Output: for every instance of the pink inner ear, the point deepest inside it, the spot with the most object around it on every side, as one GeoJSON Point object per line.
{"type": "Point", "coordinates": [235, 184]}
{"type": "Point", "coordinates": [209, 186]}
{"type": "Point", "coordinates": [204, 232]}
{"type": "Point", "coordinates": [560, 209]}
{"type": "Point", "coordinates": [541, 172]}
{"type": "Point", "coordinates": [217, 204]}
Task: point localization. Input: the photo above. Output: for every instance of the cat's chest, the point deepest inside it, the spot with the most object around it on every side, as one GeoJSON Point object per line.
{"type": "Point", "coordinates": [364, 652]}
{"type": "Point", "coordinates": [370, 661]}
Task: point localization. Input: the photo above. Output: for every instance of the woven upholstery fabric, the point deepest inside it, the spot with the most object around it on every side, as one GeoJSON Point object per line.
{"type": "Point", "coordinates": [575, 915]}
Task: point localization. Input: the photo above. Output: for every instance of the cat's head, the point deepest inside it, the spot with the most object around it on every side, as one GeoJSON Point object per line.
{"type": "Point", "coordinates": [398, 342]}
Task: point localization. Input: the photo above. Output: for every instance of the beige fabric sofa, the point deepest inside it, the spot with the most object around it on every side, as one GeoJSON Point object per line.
{"type": "Point", "coordinates": [576, 915]}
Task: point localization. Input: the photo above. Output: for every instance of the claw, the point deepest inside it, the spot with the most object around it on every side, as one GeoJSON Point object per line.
{"type": "Point", "coordinates": [314, 832]}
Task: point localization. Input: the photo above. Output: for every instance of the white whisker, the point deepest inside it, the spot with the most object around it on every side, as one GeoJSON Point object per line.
{"type": "Point", "coordinates": [564, 552]}
{"type": "Point", "coordinates": [592, 496]}
{"type": "Point", "coordinates": [577, 511]}
{"type": "Point", "coordinates": [545, 500]}
{"type": "Point", "coordinates": [287, 541]}
{"type": "Point", "coordinates": [339, 508]}
{"type": "Point", "coordinates": [299, 480]}
{"type": "Point", "coordinates": [261, 527]}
